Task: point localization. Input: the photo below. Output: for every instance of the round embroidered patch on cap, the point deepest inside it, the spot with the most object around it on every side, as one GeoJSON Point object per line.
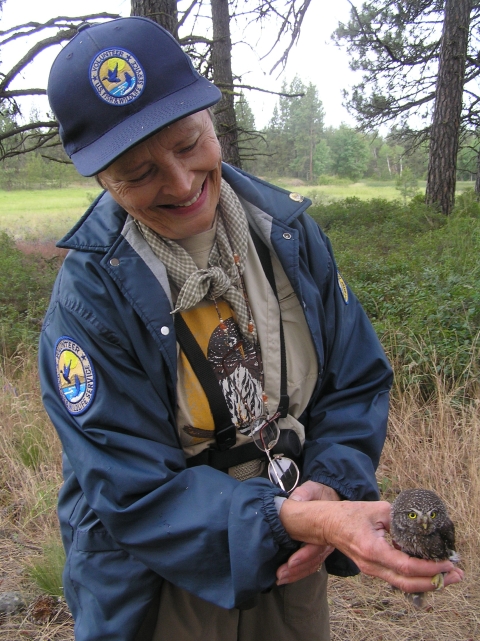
{"type": "Point", "coordinates": [343, 288]}
{"type": "Point", "coordinates": [117, 76]}
{"type": "Point", "coordinates": [75, 375]}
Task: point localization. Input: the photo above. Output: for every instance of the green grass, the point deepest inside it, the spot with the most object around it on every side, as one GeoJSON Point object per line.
{"type": "Point", "coordinates": [48, 214]}
{"type": "Point", "coordinates": [365, 190]}
{"type": "Point", "coordinates": [414, 270]}
{"type": "Point", "coordinates": [46, 571]}
{"type": "Point", "coordinates": [45, 214]}
{"type": "Point", "coordinates": [417, 274]}
{"type": "Point", "coordinates": [25, 286]}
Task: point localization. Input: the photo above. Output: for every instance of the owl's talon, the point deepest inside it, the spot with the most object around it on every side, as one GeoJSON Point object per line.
{"type": "Point", "coordinates": [438, 581]}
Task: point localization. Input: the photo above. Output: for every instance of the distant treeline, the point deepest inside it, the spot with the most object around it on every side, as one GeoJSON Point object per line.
{"type": "Point", "coordinates": [296, 143]}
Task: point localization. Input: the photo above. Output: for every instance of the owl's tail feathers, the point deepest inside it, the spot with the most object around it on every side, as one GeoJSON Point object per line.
{"type": "Point", "coordinates": [454, 557]}
{"type": "Point", "coordinates": [417, 599]}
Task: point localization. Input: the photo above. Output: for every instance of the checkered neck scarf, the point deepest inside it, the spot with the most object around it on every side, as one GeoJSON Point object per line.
{"type": "Point", "coordinates": [221, 279]}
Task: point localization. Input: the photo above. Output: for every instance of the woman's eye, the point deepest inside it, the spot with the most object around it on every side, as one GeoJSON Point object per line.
{"type": "Point", "coordinates": [188, 148]}
{"type": "Point", "coordinates": [140, 178]}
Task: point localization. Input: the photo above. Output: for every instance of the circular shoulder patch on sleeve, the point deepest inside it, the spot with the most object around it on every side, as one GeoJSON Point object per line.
{"type": "Point", "coordinates": [75, 375]}
{"type": "Point", "coordinates": [343, 288]}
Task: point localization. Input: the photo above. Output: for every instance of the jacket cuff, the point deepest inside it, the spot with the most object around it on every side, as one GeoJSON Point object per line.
{"type": "Point", "coordinates": [345, 492]}
{"type": "Point", "coordinates": [279, 502]}
{"type": "Point", "coordinates": [269, 509]}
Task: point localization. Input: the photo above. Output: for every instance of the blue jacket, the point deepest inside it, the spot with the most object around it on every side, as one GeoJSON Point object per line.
{"type": "Point", "coordinates": [131, 512]}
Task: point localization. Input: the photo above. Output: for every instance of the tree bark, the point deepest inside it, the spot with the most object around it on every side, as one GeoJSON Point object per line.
{"type": "Point", "coordinates": [441, 180]}
{"type": "Point", "coordinates": [224, 111]}
{"type": "Point", "coordinates": [163, 12]}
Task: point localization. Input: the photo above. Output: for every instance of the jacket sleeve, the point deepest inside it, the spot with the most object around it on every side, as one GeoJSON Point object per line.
{"type": "Point", "coordinates": [346, 420]}
{"type": "Point", "coordinates": [194, 527]}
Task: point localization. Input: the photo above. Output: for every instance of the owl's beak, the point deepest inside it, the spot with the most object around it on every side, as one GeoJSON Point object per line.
{"type": "Point", "coordinates": [424, 523]}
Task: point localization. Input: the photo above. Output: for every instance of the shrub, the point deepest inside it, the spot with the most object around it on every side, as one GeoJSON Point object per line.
{"type": "Point", "coordinates": [467, 205]}
{"type": "Point", "coordinates": [417, 275]}
{"type": "Point", "coordinates": [25, 288]}
{"type": "Point", "coordinates": [46, 570]}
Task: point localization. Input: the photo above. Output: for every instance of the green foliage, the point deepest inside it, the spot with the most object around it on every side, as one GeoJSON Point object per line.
{"type": "Point", "coordinates": [467, 160]}
{"type": "Point", "coordinates": [467, 205]}
{"type": "Point", "coordinates": [349, 153]}
{"type": "Point", "coordinates": [417, 275]}
{"type": "Point", "coordinates": [21, 170]}
{"type": "Point", "coordinates": [25, 288]}
{"type": "Point", "coordinates": [322, 160]}
{"type": "Point", "coordinates": [47, 571]}
{"type": "Point", "coordinates": [248, 138]}
{"type": "Point", "coordinates": [293, 134]}
{"type": "Point", "coordinates": [32, 171]}
{"type": "Point", "coordinates": [31, 446]}
{"type": "Point", "coordinates": [407, 184]}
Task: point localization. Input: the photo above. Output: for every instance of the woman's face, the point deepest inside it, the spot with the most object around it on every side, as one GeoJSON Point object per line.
{"type": "Point", "coordinates": [171, 181]}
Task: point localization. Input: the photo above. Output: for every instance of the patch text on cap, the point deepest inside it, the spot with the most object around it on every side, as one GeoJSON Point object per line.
{"type": "Point", "coordinates": [117, 77]}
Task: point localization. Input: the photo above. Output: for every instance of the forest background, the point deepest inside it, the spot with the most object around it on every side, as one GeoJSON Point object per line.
{"type": "Point", "coordinates": [416, 271]}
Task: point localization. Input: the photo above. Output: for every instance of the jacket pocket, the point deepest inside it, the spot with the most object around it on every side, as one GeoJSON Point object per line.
{"type": "Point", "coordinates": [91, 536]}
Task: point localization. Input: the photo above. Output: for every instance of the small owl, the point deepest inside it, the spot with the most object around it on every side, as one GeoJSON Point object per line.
{"type": "Point", "coordinates": [422, 528]}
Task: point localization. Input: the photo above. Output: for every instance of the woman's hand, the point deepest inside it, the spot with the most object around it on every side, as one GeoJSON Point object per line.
{"type": "Point", "coordinates": [309, 558]}
{"type": "Point", "coordinates": [358, 530]}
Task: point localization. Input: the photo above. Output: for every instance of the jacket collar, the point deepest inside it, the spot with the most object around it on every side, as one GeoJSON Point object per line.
{"type": "Point", "coordinates": [101, 225]}
{"type": "Point", "coordinates": [283, 205]}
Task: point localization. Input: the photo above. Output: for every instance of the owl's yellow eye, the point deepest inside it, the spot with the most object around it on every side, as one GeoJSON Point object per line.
{"type": "Point", "coordinates": [433, 514]}
{"type": "Point", "coordinates": [412, 515]}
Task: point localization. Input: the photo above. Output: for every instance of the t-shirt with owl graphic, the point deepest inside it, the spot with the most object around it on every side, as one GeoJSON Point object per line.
{"type": "Point", "coordinates": [237, 363]}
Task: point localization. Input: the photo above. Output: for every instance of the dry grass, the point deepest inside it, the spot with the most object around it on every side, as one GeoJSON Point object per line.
{"type": "Point", "coordinates": [434, 444]}
{"type": "Point", "coordinates": [30, 475]}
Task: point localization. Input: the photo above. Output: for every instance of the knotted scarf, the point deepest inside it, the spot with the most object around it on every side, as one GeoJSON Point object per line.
{"type": "Point", "coordinates": [222, 277]}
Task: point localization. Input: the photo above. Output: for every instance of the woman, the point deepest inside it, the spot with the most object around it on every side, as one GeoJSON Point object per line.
{"type": "Point", "coordinates": [198, 320]}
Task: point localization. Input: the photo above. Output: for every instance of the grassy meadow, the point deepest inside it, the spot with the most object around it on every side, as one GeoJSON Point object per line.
{"type": "Point", "coordinates": [41, 215]}
{"type": "Point", "coordinates": [338, 189]}
{"type": "Point", "coordinates": [44, 214]}
{"type": "Point", "coordinates": [418, 277]}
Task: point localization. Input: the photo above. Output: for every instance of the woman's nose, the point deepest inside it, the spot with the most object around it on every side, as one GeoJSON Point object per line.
{"type": "Point", "coordinates": [177, 182]}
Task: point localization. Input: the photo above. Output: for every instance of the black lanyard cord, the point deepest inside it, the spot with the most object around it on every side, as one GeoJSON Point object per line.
{"type": "Point", "coordinates": [225, 431]}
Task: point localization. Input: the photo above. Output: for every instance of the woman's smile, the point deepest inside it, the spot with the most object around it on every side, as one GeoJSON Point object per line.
{"type": "Point", "coordinates": [171, 181]}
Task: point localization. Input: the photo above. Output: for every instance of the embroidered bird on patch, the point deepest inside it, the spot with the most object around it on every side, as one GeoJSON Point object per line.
{"type": "Point", "coordinates": [112, 75]}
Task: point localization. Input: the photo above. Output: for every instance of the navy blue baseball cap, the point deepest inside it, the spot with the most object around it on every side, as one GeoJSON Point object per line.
{"type": "Point", "coordinates": [116, 83]}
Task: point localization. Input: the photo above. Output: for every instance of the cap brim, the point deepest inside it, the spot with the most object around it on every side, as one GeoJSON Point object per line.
{"type": "Point", "coordinates": [95, 157]}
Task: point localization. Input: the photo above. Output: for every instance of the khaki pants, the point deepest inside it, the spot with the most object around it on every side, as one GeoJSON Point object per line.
{"type": "Point", "coordinates": [294, 612]}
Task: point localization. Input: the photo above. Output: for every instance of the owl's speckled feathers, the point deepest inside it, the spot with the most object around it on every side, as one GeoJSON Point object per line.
{"type": "Point", "coordinates": [422, 528]}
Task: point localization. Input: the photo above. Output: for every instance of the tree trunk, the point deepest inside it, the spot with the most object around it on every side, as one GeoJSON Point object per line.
{"type": "Point", "coordinates": [445, 131]}
{"type": "Point", "coordinates": [164, 12]}
{"type": "Point", "coordinates": [225, 119]}
{"type": "Point", "coordinates": [310, 159]}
